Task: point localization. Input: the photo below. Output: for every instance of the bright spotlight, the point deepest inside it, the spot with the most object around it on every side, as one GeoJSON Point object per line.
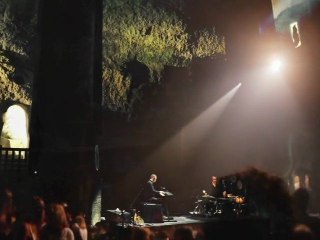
{"type": "Point", "coordinates": [276, 65]}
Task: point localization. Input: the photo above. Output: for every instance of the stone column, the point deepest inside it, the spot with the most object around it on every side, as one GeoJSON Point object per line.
{"type": "Point", "coordinates": [66, 99]}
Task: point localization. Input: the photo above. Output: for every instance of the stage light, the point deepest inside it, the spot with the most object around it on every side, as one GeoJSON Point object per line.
{"type": "Point", "coordinates": [276, 65]}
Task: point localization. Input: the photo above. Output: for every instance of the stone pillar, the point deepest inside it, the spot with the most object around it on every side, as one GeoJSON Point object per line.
{"type": "Point", "coordinates": [66, 99]}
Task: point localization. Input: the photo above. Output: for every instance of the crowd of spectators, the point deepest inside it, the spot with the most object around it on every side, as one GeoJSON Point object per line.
{"type": "Point", "coordinates": [287, 215]}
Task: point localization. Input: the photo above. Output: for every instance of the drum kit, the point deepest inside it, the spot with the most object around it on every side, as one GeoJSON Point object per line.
{"type": "Point", "coordinates": [210, 206]}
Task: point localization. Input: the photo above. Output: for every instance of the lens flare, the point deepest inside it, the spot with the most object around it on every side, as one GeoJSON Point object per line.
{"type": "Point", "coordinates": [276, 65]}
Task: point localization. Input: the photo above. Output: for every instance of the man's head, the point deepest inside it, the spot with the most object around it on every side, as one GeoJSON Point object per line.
{"type": "Point", "coordinates": [153, 177]}
{"type": "Point", "coordinates": [214, 180]}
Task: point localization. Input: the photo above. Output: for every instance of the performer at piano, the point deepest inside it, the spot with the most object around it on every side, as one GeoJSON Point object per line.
{"type": "Point", "coordinates": [152, 195]}
{"type": "Point", "coordinates": [150, 192]}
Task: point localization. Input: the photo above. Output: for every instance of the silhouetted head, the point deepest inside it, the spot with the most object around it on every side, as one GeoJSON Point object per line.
{"type": "Point", "coordinates": [183, 233]}
{"type": "Point", "coordinates": [300, 199]}
{"type": "Point", "coordinates": [302, 232]}
{"type": "Point", "coordinates": [141, 234]}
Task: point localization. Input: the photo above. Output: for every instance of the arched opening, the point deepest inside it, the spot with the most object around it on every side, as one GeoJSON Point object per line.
{"type": "Point", "coordinates": [14, 132]}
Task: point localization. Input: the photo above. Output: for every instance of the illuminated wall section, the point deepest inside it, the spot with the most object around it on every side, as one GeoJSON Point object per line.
{"type": "Point", "coordinates": [287, 14]}
{"type": "Point", "coordinates": [14, 132]}
{"type": "Point", "coordinates": [281, 6]}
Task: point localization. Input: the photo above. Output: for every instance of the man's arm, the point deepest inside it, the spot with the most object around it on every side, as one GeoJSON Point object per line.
{"type": "Point", "coordinates": [151, 186]}
{"type": "Point", "coordinates": [161, 193]}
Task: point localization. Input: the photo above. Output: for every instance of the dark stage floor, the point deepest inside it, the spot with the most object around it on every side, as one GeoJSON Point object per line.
{"type": "Point", "coordinates": [248, 227]}
{"type": "Point", "coordinates": [176, 220]}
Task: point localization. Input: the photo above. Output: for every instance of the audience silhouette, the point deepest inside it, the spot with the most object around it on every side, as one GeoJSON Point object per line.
{"type": "Point", "coordinates": [300, 204]}
{"type": "Point", "coordinates": [266, 195]}
{"type": "Point", "coordinates": [57, 226]}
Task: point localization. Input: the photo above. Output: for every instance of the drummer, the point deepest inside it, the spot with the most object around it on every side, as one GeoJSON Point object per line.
{"type": "Point", "coordinates": [216, 187]}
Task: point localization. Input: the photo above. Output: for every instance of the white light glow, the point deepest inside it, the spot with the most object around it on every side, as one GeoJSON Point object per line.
{"type": "Point", "coordinates": [96, 208]}
{"type": "Point", "coordinates": [276, 65]}
{"type": "Point", "coordinates": [191, 135]}
{"type": "Point", "coordinates": [14, 129]}
{"type": "Point", "coordinates": [295, 34]}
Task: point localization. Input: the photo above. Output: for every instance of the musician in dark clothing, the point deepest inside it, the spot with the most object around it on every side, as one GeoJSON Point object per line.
{"type": "Point", "coordinates": [216, 188]}
{"type": "Point", "coordinates": [150, 192]}
{"type": "Point", "coordinates": [153, 196]}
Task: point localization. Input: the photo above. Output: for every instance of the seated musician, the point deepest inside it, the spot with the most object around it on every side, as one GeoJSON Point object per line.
{"type": "Point", "coordinates": [209, 204]}
{"type": "Point", "coordinates": [152, 195]}
{"type": "Point", "coordinates": [150, 192]}
{"type": "Point", "coordinates": [215, 188]}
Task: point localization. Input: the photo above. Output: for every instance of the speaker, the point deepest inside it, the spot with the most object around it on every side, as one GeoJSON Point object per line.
{"type": "Point", "coordinates": [152, 213]}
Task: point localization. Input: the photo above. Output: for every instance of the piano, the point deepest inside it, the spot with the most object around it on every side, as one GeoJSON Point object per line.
{"type": "Point", "coordinates": [166, 193]}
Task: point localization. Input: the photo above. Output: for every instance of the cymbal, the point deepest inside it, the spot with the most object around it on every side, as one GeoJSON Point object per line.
{"type": "Point", "coordinates": [116, 211]}
{"type": "Point", "coordinates": [207, 196]}
{"type": "Point", "coordinates": [231, 196]}
{"type": "Point", "coordinates": [223, 199]}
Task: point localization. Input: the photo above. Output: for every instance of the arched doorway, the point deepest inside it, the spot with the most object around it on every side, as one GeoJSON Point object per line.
{"type": "Point", "coordinates": [14, 132]}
